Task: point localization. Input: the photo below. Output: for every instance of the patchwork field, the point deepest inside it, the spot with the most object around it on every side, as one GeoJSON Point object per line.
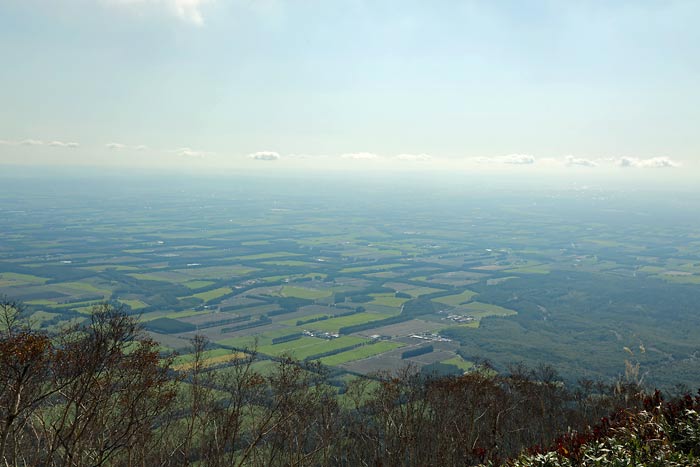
{"type": "Point", "coordinates": [356, 278]}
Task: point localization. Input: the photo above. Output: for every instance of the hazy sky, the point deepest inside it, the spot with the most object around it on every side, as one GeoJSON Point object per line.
{"type": "Point", "coordinates": [512, 85]}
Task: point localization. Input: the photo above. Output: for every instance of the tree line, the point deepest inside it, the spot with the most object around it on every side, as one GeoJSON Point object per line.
{"type": "Point", "coordinates": [101, 393]}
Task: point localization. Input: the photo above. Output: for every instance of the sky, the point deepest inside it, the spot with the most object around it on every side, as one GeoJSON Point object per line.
{"type": "Point", "coordinates": [515, 86]}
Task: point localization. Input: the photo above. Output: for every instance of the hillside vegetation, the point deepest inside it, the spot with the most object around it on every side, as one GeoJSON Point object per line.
{"type": "Point", "coordinates": [101, 394]}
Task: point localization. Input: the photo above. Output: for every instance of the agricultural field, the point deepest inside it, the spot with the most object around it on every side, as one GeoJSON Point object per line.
{"type": "Point", "coordinates": [355, 282]}
{"type": "Point", "coordinates": [457, 299]}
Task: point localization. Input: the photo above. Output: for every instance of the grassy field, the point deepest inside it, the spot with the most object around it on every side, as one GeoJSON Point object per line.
{"type": "Point", "coordinates": [41, 301]}
{"type": "Point", "coordinates": [38, 317]}
{"type": "Point", "coordinates": [134, 304]}
{"type": "Point", "coordinates": [85, 310]}
{"type": "Point", "coordinates": [293, 322]}
{"type": "Point", "coordinates": [533, 268]}
{"type": "Point", "coordinates": [244, 342]}
{"type": "Point", "coordinates": [215, 272]}
{"type": "Point", "coordinates": [387, 299]}
{"type": "Point", "coordinates": [365, 351]}
{"type": "Point", "coordinates": [454, 300]}
{"type": "Point", "coordinates": [459, 362]}
{"type": "Point", "coordinates": [680, 279]}
{"type": "Point", "coordinates": [172, 314]}
{"type": "Point", "coordinates": [277, 254]}
{"type": "Point", "coordinates": [153, 277]}
{"type": "Point", "coordinates": [13, 278]}
{"type": "Point", "coordinates": [309, 346]}
{"type": "Point", "coordinates": [334, 324]}
{"type": "Point", "coordinates": [257, 309]}
{"type": "Point", "coordinates": [78, 288]}
{"type": "Point", "coordinates": [481, 310]}
{"type": "Point", "coordinates": [209, 358]}
{"type": "Point", "coordinates": [212, 294]}
{"type": "Point", "coordinates": [310, 275]}
{"type": "Point", "coordinates": [197, 284]}
{"type": "Point", "coordinates": [289, 262]}
{"type": "Point", "coordinates": [301, 292]}
{"type": "Point", "coordinates": [379, 267]}
{"type": "Point", "coordinates": [107, 267]}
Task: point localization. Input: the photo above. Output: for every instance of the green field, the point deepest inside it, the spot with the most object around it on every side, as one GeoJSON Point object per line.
{"type": "Point", "coordinates": [107, 267]}
{"type": "Point", "coordinates": [454, 300]}
{"type": "Point", "coordinates": [38, 317]}
{"type": "Point", "coordinates": [197, 284]}
{"type": "Point", "coordinates": [481, 310]}
{"type": "Point", "coordinates": [148, 277]}
{"type": "Point", "coordinates": [206, 355]}
{"type": "Point", "coordinates": [334, 324]}
{"type": "Point", "coordinates": [365, 351]}
{"type": "Point", "coordinates": [387, 299]}
{"type": "Point", "coordinates": [379, 267]}
{"type": "Point", "coordinates": [79, 288]}
{"type": "Point", "coordinates": [289, 262]}
{"type": "Point", "coordinates": [85, 310]}
{"type": "Point", "coordinates": [215, 272]}
{"type": "Point", "coordinates": [212, 294]}
{"type": "Point", "coordinates": [538, 269]}
{"type": "Point", "coordinates": [13, 278]}
{"type": "Point", "coordinates": [42, 301]}
{"type": "Point", "coordinates": [172, 314]}
{"type": "Point", "coordinates": [459, 362]}
{"type": "Point", "coordinates": [134, 304]}
{"type": "Point", "coordinates": [310, 275]}
{"type": "Point", "coordinates": [680, 279]}
{"type": "Point", "coordinates": [246, 342]}
{"type": "Point", "coordinates": [309, 346]}
{"type": "Point", "coordinates": [278, 254]}
{"type": "Point", "coordinates": [300, 292]}
{"type": "Point", "coordinates": [293, 322]}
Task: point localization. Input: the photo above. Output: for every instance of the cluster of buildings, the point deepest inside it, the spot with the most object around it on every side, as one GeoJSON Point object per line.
{"type": "Point", "coordinates": [460, 318]}
{"type": "Point", "coordinates": [432, 337]}
{"type": "Point", "coordinates": [321, 335]}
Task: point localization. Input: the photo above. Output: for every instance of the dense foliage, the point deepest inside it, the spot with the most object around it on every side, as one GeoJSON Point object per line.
{"type": "Point", "coordinates": [101, 394]}
{"type": "Point", "coordinates": [662, 434]}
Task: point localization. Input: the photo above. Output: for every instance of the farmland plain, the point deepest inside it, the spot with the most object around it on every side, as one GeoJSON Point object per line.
{"type": "Point", "coordinates": [322, 270]}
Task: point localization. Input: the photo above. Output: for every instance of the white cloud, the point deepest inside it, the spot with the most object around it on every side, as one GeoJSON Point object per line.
{"type": "Point", "coordinates": [63, 144]}
{"type": "Point", "coordinates": [187, 10]}
{"type": "Point", "coordinates": [517, 159]}
{"type": "Point", "coordinates": [650, 163]}
{"type": "Point", "coordinates": [189, 152]}
{"type": "Point", "coordinates": [264, 156]}
{"type": "Point", "coordinates": [510, 159]}
{"type": "Point", "coordinates": [414, 157]}
{"type": "Point", "coordinates": [37, 142]}
{"type": "Point", "coordinates": [360, 156]}
{"type": "Point", "coordinates": [573, 161]}
{"type": "Point", "coordinates": [140, 147]}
